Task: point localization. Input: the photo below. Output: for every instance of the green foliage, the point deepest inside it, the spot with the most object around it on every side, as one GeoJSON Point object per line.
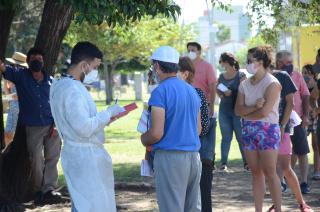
{"type": "Point", "coordinates": [25, 26]}
{"type": "Point", "coordinates": [120, 11]}
{"type": "Point", "coordinates": [134, 41]}
{"type": "Point", "coordinates": [252, 42]}
{"type": "Point", "coordinates": [12, 4]}
{"type": "Point", "coordinates": [224, 33]}
{"type": "Point", "coordinates": [284, 15]}
{"type": "Point", "coordinates": [221, 5]}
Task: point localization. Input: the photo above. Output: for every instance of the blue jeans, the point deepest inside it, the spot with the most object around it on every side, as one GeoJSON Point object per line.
{"type": "Point", "coordinates": [208, 142]}
{"type": "Point", "coordinates": [229, 123]}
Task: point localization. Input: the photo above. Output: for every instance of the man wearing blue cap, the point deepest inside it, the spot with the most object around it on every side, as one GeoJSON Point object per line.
{"type": "Point", "coordinates": [174, 136]}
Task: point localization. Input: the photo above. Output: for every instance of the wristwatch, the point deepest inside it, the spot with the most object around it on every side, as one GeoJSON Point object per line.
{"type": "Point", "coordinates": [281, 125]}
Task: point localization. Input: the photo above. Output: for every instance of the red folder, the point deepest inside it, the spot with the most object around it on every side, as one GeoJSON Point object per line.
{"type": "Point", "coordinates": [128, 108]}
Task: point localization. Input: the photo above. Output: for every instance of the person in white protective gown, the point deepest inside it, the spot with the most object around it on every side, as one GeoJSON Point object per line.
{"type": "Point", "coordinates": [86, 164]}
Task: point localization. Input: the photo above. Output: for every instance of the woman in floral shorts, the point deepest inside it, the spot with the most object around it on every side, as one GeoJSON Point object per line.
{"type": "Point", "coordinates": [257, 103]}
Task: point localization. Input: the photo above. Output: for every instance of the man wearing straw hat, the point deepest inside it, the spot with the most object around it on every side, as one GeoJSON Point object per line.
{"type": "Point", "coordinates": [18, 59]}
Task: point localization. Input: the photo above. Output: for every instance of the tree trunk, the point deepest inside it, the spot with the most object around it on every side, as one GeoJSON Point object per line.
{"type": "Point", "coordinates": [108, 82]}
{"type": "Point", "coordinates": [55, 22]}
{"type": "Point", "coordinates": [6, 18]}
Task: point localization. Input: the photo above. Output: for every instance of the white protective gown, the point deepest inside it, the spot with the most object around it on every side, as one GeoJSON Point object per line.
{"type": "Point", "coordinates": [86, 164]}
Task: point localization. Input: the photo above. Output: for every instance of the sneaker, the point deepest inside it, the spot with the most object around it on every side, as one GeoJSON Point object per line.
{"type": "Point", "coordinates": [316, 176]}
{"type": "Point", "coordinates": [271, 209]}
{"type": "Point", "coordinates": [223, 167]}
{"type": "Point", "coordinates": [49, 198]}
{"type": "Point", "coordinates": [246, 167]}
{"type": "Point", "coordinates": [305, 208]}
{"type": "Point", "coordinates": [283, 187]}
{"type": "Point", "coordinates": [305, 188]}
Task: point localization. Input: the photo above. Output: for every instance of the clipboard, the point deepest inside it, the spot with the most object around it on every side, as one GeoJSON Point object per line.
{"type": "Point", "coordinates": [128, 108]}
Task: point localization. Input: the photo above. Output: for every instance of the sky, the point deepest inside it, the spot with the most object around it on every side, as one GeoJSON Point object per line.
{"type": "Point", "coordinates": [193, 9]}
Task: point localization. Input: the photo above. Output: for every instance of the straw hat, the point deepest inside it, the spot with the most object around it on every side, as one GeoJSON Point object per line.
{"type": "Point", "coordinates": [18, 58]}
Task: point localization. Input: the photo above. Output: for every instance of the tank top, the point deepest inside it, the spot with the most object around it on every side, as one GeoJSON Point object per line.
{"type": "Point", "coordinates": [254, 92]}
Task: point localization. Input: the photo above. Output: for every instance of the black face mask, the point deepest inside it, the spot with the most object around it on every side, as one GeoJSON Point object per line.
{"type": "Point", "coordinates": [36, 65]}
{"type": "Point", "coordinates": [288, 68]}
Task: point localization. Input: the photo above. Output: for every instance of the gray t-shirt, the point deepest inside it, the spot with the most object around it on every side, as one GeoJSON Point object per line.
{"type": "Point", "coordinates": [233, 85]}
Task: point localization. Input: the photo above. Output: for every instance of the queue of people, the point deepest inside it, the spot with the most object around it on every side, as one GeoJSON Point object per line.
{"type": "Point", "coordinates": [181, 135]}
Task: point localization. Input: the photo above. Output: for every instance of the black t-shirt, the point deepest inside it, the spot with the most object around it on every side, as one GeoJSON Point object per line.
{"type": "Point", "coordinates": [288, 87]}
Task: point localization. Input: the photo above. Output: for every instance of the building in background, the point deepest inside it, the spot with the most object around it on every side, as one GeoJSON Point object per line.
{"type": "Point", "coordinates": [240, 31]}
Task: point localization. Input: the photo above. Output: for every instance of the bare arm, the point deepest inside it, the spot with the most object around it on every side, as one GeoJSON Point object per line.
{"type": "Point", "coordinates": [2, 66]}
{"type": "Point", "coordinates": [288, 109]}
{"type": "Point", "coordinates": [271, 96]}
{"type": "Point", "coordinates": [155, 133]}
{"type": "Point", "coordinates": [305, 110]}
{"type": "Point", "coordinates": [6, 88]}
{"type": "Point", "coordinates": [241, 109]}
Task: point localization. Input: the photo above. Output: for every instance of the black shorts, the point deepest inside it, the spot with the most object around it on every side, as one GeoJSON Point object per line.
{"type": "Point", "coordinates": [299, 141]}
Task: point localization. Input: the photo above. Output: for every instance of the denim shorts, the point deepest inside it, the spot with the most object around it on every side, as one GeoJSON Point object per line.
{"type": "Point", "coordinates": [258, 135]}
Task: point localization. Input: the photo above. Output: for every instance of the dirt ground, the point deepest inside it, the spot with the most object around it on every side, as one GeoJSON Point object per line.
{"type": "Point", "coordinates": [231, 192]}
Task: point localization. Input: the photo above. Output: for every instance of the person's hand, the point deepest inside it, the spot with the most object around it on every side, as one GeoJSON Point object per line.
{"type": "Point", "coordinates": [53, 132]}
{"type": "Point", "coordinates": [305, 122]}
{"type": "Point", "coordinates": [260, 102]}
{"type": "Point", "coordinates": [228, 93]}
{"type": "Point", "coordinates": [2, 66]}
{"type": "Point", "coordinates": [115, 110]}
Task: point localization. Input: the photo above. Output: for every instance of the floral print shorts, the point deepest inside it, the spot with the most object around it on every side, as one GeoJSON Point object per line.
{"type": "Point", "coordinates": [258, 135]}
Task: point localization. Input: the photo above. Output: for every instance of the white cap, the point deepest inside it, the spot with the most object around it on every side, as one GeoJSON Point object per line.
{"type": "Point", "coordinates": [166, 54]}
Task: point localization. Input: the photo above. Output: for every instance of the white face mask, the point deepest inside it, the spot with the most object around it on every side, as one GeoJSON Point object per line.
{"type": "Point", "coordinates": [251, 69]}
{"type": "Point", "coordinates": [91, 77]}
{"type": "Point", "coordinates": [192, 55]}
{"type": "Point", "coordinates": [152, 87]}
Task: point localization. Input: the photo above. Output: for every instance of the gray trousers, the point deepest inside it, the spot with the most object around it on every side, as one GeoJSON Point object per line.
{"type": "Point", "coordinates": [177, 178]}
{"type": "Point", "coordinates": [44, 151]}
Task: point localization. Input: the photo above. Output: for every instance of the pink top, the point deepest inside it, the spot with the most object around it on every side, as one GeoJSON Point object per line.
{"type": "Point", "coordinates": [302, 90]}
{"type": "Point", "coordinates": [204, 76]}
{"type": "Point", "coordinates": [254, 92]}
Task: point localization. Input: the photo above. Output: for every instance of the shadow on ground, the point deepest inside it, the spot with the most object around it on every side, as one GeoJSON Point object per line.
{"type": "Point", "coordinates": [231, 192]}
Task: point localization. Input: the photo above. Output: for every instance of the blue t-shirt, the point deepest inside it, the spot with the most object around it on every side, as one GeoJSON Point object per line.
{"type": "Point", "coordinates": [182, 105]}
{"type": "Point", "coordinates": [288, 87]}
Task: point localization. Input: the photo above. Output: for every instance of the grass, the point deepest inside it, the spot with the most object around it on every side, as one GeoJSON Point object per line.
{"type": "Point", "coordinates": [124, 146]}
